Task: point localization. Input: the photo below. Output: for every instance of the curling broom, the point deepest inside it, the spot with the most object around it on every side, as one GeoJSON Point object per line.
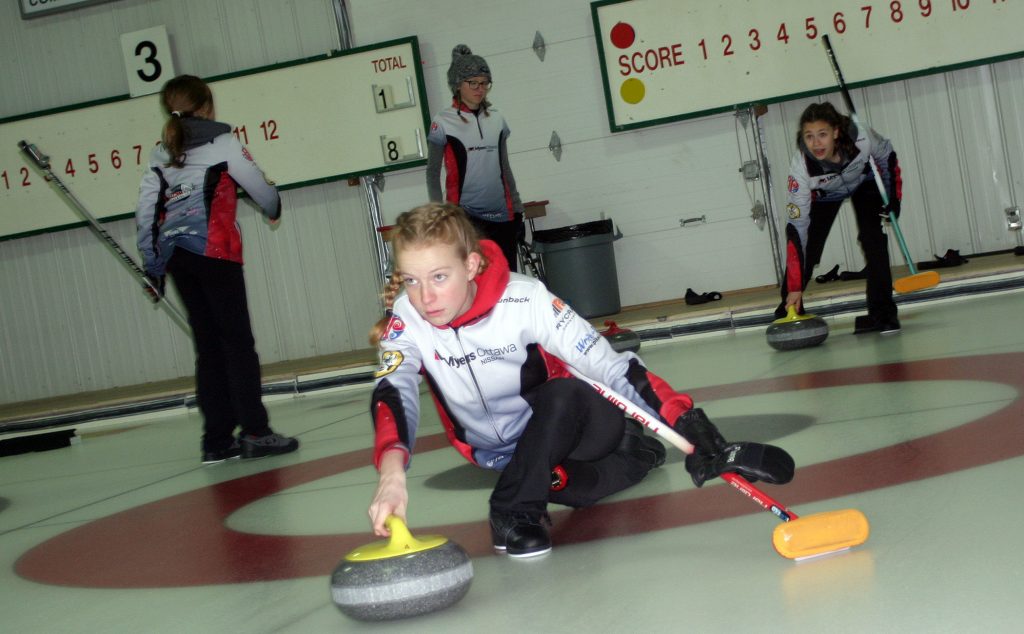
{"type": "Point", "coordinates": [797, 537]}
{"type": "Point", "coordinates": [916, 280]}
{"type": "Point", "coordinates": [42, 161]}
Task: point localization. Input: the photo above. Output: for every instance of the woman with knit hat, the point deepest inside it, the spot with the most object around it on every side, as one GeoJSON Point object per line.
{"type": "Point", "coordinates": [469, 138]}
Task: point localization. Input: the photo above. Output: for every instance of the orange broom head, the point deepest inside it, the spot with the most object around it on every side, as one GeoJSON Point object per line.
{"type": "Point", "coordinates": [911, 283]}
{"type": "Point", "coordinates": [821, 533]}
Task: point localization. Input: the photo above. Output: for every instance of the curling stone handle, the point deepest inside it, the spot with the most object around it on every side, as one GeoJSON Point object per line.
{"type": "Point", "coordinates": [791, 312]}
{"type": "Point", "coordinates": [401, 538]}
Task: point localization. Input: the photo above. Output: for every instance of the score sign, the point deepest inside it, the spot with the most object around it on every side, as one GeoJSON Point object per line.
{"type": "Point", "coordinates": [147, 58]}
{"type": "Point", "coordinates": [666, 60]}
{"type": "Point", "coordinates": [305, 123]}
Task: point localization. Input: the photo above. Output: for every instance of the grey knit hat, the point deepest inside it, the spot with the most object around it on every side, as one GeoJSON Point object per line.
{"type": "Point", "coordinates": [465, 65]}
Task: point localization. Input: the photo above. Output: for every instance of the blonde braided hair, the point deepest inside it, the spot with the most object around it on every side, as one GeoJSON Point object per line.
{"type": "Point", "coordinates": [426, 225]}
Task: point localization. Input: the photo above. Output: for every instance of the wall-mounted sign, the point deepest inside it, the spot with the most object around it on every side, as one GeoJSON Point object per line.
{"type": "Point", "coordinates": [35, 8]}
{"type": "Point", "coordinates": [665, 60]}
{"type": "Point", "coordinates": [305, 122]}
{"type": "Point", "coordinates": [147, 59]}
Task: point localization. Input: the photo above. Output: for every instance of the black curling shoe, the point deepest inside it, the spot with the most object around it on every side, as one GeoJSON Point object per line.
{"type": "Point", "coordinates": [864, 324]}
{"type": "Point", "coordinates": [520, 534]}
{"type": "Point", "coordinates": [642, 447]}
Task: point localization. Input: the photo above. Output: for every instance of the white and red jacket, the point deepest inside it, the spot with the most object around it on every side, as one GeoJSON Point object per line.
{"type": "Point", "coordinates": [472, 145]}
{"type": "Point", "coordinates": [514, 337]}
{"type": "Point", "coordinates": [193, 207]}
{"type": "Point", "coordinates": [812, 180]}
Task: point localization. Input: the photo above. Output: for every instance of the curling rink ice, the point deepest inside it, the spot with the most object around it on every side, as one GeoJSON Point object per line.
{"type": "Point", "coordinates": [923, 432]}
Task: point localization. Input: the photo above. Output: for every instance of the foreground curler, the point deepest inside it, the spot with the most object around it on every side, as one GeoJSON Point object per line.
{"type": "Point", "coordinates": [798, 537]}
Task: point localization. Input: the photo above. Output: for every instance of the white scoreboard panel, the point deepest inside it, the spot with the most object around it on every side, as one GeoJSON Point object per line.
{"type": "Point", "coordinates": [357, 112]}
{"type": "Point", "coordinates": [665, 60]}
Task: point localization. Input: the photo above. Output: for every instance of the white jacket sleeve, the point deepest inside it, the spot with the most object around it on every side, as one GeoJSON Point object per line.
{"type": "Point", "coordinates": [244, 170]}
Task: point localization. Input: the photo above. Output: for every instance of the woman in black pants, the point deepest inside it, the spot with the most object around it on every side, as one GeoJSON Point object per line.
{"type": "Point", "coordinates": [832, 164]}
{"type": "Point", "coordinates": [187, 229]}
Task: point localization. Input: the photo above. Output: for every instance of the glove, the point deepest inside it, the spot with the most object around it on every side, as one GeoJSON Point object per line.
{"type": "Point", "coordinates": [158, 282]}
{"type": "Point", "coordinates": [754, 461]}
{"type": "Point", "coordinates": [700, 432]}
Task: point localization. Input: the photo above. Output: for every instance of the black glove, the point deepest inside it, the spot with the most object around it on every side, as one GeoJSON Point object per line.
{"type": "Point", "coordinates": [751, 460]}
{"type": "Point", "coordinates": [158, 284]}
{"type": "Point", "coordinates": [695, 427]}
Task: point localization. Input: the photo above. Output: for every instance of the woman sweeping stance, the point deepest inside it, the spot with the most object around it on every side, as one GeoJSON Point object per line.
{"type": "Point", "coordinates": [832, 164]}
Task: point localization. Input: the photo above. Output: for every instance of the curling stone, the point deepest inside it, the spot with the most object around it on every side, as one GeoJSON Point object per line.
{"type": "Point", "coordinates": [401, 577]}
{"type": "Point", "coordinates": [794, 331]}
{"type": "Point", "coordinates": [622, 339]}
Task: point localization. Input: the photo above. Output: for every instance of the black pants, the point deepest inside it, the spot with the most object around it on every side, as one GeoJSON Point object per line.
{"type": "Point", "coordinates": [227, 366]}
{"type": "Point", "coordinates": [505, 234]}
{"type": "Point", "coordinates": [867, 205]}
{"type": "Point", "coordinates": [575, 427]}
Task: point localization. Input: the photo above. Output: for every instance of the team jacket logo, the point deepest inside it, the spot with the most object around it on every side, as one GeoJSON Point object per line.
{"type": "Point", "coordinates": [394, 330]}
{"type": "Point", "coordinates": [793, 211]}
{"type": "Point", "coordinates": [178, 192]}
{"type": "Point", "coordinates": [246, 155]}
{"type": "Point", "coordinates": [794, 186]}
{"type": "Point", "coordinates": [563, 312]}
{"type": "Point", "coordinates": [589, 340]}
{"type": "Point", "coordinates": [389, 362]}
{"type": "Point", "coordinates": [455, 362]}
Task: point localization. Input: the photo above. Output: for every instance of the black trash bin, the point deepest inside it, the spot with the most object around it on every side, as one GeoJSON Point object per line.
{"type": "Point", "coordinates": [579, 262]}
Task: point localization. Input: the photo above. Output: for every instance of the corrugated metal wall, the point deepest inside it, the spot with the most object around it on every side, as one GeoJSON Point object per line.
{"type": "Point", "coordinates": [72, 320]}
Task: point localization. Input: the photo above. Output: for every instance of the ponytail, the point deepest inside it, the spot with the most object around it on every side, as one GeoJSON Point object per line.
{"type": "Point", "coordinates": [181, 97]}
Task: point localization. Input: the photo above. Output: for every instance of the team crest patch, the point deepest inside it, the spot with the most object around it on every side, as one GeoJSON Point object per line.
{"type": "Point", "coordinates": [394, 330]}
{"type": "Point", "coordinates": [793, 210]}
{"type": "Point", "coordinates": [245, 154]}
{"type": "Point", "coordinates": [389, 362]}
{"type": "Point", "coordinates": [558, 306]}
{"type": "Point", "coordinates": [794, 186]}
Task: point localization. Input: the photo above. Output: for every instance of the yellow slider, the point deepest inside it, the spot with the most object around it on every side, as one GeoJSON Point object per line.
{"type": "Point", "coordinates": [821, 533]}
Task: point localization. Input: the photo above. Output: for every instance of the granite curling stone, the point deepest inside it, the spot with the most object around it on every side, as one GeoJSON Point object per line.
{"type": "Point", "coordinates": [794, 331]}
{"type": "Point", "coordinates": [401, 577]}
{"type": "Point", "coordinates": [621, 339]}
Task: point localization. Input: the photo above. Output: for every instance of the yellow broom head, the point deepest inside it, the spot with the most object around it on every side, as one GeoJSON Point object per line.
{"type": "Point", "coordinates": [911, 283]}
{"type": "Point", "coordinates": [821, 533]}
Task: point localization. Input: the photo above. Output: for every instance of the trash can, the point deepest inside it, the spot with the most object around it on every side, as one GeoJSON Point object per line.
{"type": "Point", "coordinates": [579, 262]}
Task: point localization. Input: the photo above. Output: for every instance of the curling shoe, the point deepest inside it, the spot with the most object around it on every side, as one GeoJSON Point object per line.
{"type": "Point", "coordinates": [864, 324]}
{"type": "Point", "coordinates": [636, 444]}
{"type": "Point", "coordinates": [218, 456]}
{"type": "Point", "coordinates": [272, 444]}
{"type": "Point", "coordinates": [520, 534]}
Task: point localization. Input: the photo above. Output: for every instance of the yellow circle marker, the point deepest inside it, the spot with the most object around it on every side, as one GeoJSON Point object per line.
{"type": "Point", "coordinates": [632, 90]}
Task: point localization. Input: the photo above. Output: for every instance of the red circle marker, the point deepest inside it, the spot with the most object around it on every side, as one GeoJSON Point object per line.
{"type": "Point", "coordinates": [149, 546]}
{"type": "Point", "coordinates": [623, 35]}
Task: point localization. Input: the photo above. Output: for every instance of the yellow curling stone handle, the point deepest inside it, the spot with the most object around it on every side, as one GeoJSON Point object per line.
{"type": "Point", "coordinates": [400, 543]}
{"type": "Point", "coordinates": [791, 316]}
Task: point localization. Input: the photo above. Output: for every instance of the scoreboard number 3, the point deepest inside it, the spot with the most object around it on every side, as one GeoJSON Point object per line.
{"type": "Point", "coordinates": [147, 59]}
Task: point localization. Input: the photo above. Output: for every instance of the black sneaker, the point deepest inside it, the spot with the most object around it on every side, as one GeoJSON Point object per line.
{"type": "Point", "coordinates": [638, 445]}
{"type": "Point", "coordinates": [520, 534]}
{"type": "Point", "coordinates": [220, 455]}
{"type": "Point", "coordinates": [866, 323]}
{"type": "Point", "coordinates": [270, 445]}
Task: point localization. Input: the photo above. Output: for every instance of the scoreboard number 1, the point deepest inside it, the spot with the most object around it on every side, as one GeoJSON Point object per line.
{"type": "Point", "coordinates": [384, 99]}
